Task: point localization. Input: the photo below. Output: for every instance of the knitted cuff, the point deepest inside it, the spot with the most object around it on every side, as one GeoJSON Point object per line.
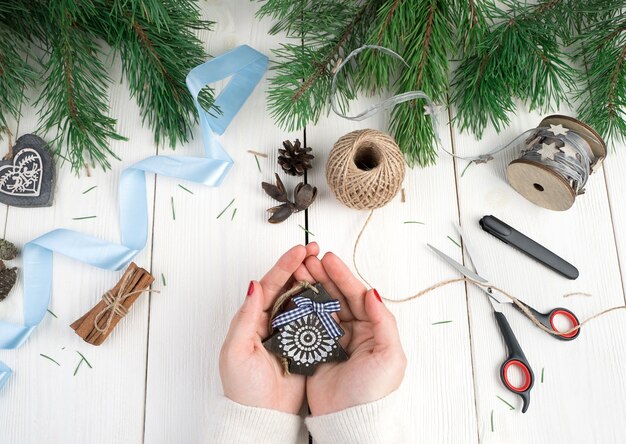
{"type": "Point", "coordinates": [373, 423]}
{"type": "Point", "coordinates": [235, 423]}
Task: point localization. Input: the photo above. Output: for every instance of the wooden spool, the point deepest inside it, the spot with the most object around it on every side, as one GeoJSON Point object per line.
{"type": "Point", "coordinates": [545, 187]}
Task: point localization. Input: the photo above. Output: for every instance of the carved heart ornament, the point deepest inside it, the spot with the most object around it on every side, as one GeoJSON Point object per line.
{"type": "Point", "coordinates": [23, 178]}
{"type": "Point", "coordinates": [28, 179]}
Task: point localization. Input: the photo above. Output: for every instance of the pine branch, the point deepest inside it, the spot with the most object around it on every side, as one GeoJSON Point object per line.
{"type": "Point", "coordinates": [74, 101]}
{"type": "Point", "coordinates": [602, 49]}
{"type": "Point", "coordinates": [156, 59]}
{"type": "Point", "coordinates": [301, 86]}
{"type": "Point", "coordinates": [15, 73]}
{"type": "Point", "coordinates": [519, 57]}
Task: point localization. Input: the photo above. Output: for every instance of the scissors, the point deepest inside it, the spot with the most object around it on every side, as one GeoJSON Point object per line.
{"type": "Point", "coordinates": [516, 357]}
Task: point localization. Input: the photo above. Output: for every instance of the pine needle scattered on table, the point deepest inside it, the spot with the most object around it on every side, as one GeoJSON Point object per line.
{"type": "Point", "coordinates": [413, 222]}
{"type": "Point", "coordinates": [84, 217]}
{"type": "Point", "coordinates": [173, 209]}
{"type": "Point", "coordinates": [163, 280]}
{"type": "Point", "coordinates": [542, 369]}
{"type": "Point", "coordinates": [257, 163]}
{"type": "Point", "coordinates": [455, 242]}
{"type": "Point", "coordinates": [186, 189]}
{"type": "Point", "coordinates": [227, 207]}
{"type": "Point", "coordinates": [89, 189]}
{"type": "Point", "coordinates": [305, 230]}
{"type": "Point", "coordinates": [234, 212]}
{"type": "Point", "coordinates": [507, 403]}
{"type": "Point", "coordinates": [492, 420]}
{"type": "Point", "coordinates": [49, 358]}
{"type": "Point", "coordinates": [441, 322]}
{"type": "Point", "coordinates": [52, 313]}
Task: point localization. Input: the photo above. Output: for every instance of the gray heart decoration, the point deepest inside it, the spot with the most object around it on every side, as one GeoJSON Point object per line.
{"type": "Point", "coordinates": [28, 179]}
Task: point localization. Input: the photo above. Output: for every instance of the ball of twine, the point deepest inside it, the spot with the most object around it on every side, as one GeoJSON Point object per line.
{"type": "Point", "coordinates": [365, 169]}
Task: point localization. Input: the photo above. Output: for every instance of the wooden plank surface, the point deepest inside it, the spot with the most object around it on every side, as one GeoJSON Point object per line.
{"type": "Point", "coordinates": [208, 262]}
{"type": "Point", "coordinates": [156, 378]}
{"type": "Point", "coordinates": [438, 388]}
{"type": "Point", "coordinates": [582, 395]}
{"type": "Point", "coordinates": [44, 402]}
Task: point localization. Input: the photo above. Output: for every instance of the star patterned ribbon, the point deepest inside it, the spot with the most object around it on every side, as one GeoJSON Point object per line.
{"type": "Point", "coordinates": [245, 67]}
{"type": "Point", "coordinates": [305, 306]}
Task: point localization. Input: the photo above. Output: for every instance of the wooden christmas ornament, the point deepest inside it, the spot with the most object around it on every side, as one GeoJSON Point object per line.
{"type": "Point", "coordinates": [98, 323]}
{"type": "Point", "coordinates": [556, 162]}
{"type": "Point", "coordinates": [27, 177]}
{"type": "Point", "coordinates": [305, 334]}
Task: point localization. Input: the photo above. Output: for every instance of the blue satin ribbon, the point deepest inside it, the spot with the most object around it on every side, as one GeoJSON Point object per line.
{"type": "Point", "coordinates": [304, 306]}
{"type": "Point", "coordinates": [246, 66]}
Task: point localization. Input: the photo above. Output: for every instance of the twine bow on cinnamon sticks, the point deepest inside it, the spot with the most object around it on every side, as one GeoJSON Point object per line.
{"type": "Point", "coordinates": [98, 323]}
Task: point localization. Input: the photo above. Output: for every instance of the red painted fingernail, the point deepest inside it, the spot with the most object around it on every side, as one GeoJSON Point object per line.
{"type": "Point", "coordinates": [377, 295]}
{"type": "Point", "coordinates": [250, 288]}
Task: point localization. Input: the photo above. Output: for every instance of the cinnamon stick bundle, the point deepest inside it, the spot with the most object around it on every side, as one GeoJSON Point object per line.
{"type": "Point", "coordinates": [98, 323]}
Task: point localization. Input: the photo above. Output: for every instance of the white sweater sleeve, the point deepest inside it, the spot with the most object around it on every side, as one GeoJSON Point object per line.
{"type": "Point", "coordinates": [233, 423]}
{"type": "Point", "coordinates": [374, 423]}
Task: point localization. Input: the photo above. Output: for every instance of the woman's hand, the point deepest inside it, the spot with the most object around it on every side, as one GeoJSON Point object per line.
{"type": "Point", "coordinates": [250, 374]}
{"type": "Point", "coordinates": [377, 361]}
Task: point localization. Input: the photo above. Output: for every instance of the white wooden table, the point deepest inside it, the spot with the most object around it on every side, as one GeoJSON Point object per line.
{"type": "Point", "coordinates": [154, 379]}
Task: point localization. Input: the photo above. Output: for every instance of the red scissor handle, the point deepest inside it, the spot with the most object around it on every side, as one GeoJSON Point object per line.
{"type": "Point", "coordinates": [571, 317]}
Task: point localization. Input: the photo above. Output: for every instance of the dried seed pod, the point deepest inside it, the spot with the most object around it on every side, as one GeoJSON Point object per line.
{"type": "Point", "coordinates": [8, 276]}
{"type": "Point", "coordinates": [8, 251]}
{"type": "Point", "coordinates": [281, 213]}
{"type": "Point", "coordinates": [277, 191]}
{"type": "Point", "coordinates": [304, 195]}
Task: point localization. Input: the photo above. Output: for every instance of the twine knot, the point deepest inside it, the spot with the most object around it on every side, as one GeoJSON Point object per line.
{"type": "Point", "coordinates": [115, 305]}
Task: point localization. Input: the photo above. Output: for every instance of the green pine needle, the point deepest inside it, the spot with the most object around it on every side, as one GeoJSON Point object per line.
{"type": "Point", "coordinates": [50, 359]}
{"type": "Point", "coordinates": [455, 242]}
{"type": "Point", "coordinates": [89, 189]}
{"type": "Point", "coordinates": [257, 162]}
{"type": "Point", "coordinates": [507, 403]}
{"type": "Point", "coordinates": [542, 369]}
{"type": "Point", "coordinates": [163, 280]}
{"type": "Point", "coordinates": [85, 359]}
{"type": "Point", "coordinates": [413, 222]}
{"type": "Point", "coordinates": [305, 230]}
{"type": "Point", "coordinates": [233, 215]}
{"type": "Point", "coordinates": [227, 207]}
{"type": "Point", "coordinates": [173, 209]}
{"type": "Point", "coordinates": [84, 217]}
{"type": "Point", "coordinates": [492, 421]}
{"type": "Point", "coordinates": [50, 311]}
{"type": "Point", "coordinates": [78, 366]}
{"type": "Point", "coordinates": [441, 322]}
{"type": "Point", "coordinates": [186, 189]}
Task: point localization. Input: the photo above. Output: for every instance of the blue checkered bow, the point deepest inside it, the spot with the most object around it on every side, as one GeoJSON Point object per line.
{"type": "Point", "coordinates": [304, 306]}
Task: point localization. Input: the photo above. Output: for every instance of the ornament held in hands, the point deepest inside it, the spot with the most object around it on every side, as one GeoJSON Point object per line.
{"type": "Point", "coordinates": [307, 335]}
{"type": "Point", "coordinates": [303, 194]}
{"type": "Point", "coordinates": [27, 177]}
{"type": "Point", "coordinates": [295, 159]}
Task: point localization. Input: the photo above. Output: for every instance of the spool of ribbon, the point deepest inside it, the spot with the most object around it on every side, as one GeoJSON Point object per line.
{"type": "Point", "coordinates": [246, 66]}
{"type": "Point", "coordinates": [305, 306]}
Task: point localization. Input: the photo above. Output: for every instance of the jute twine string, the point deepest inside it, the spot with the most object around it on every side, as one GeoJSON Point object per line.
{"type": "Point", "coordinates": [278, 303]}
{"type": "Point", "coordinates": [513, 299]}
{"type": "Point", "coordinates": [365, 169]}
{"type": "Point", "coordinates": [114, 305]}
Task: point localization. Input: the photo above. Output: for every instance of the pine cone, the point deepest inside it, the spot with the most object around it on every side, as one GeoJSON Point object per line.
{"type": "Point", "coordinates": [8, 276]}
{"type": "Point", "coordinates": [7, 250]}
{"type": "Point", "coordinates": [295, 159]}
